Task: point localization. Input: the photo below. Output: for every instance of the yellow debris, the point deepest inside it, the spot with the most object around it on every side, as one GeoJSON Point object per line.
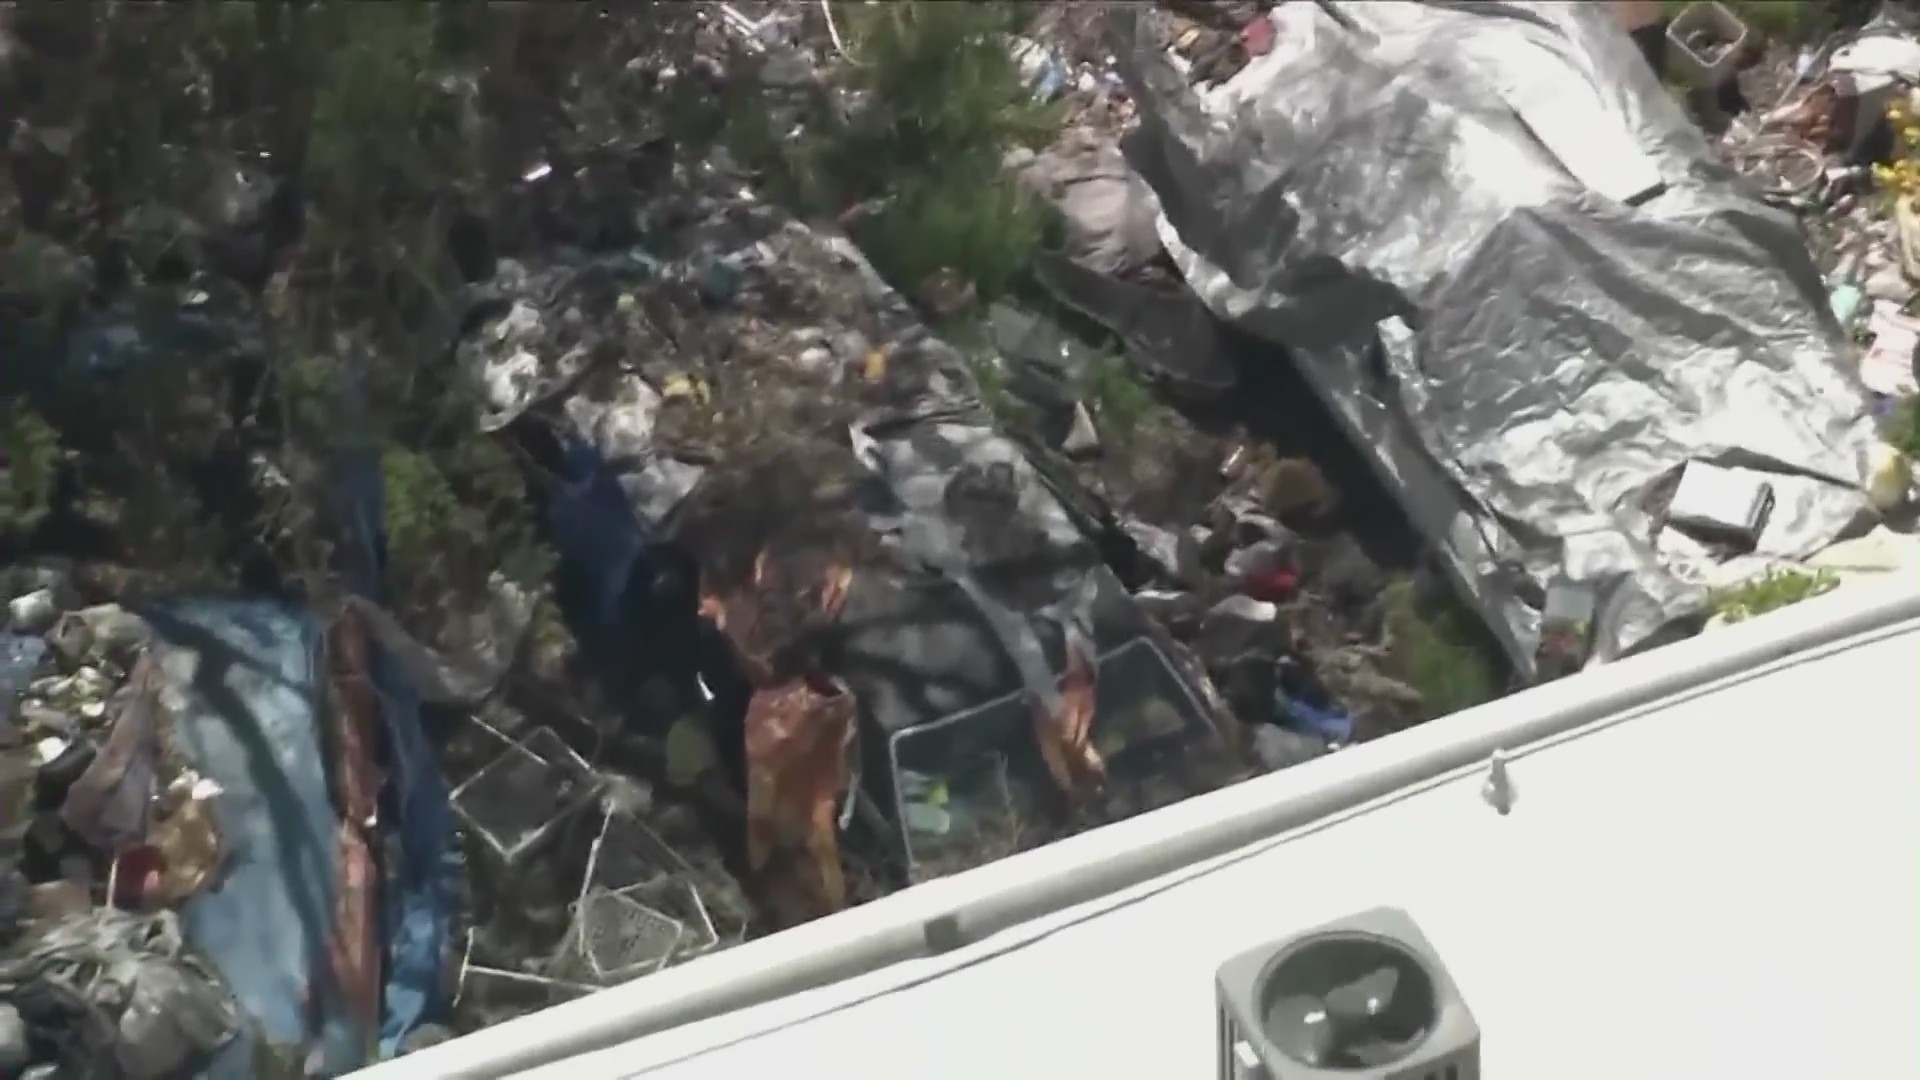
{"type": "Point", "coordinates": [690, 752]}
{"type": "Point", "coordinates": [684, 386]}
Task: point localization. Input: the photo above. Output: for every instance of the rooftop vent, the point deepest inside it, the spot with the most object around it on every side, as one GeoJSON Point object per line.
{"type": "Point", "coordinates": [1361, 998]}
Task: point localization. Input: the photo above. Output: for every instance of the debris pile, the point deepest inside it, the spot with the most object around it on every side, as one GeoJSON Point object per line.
{"type": "Point", "coordinates": [812, 476]}
{"type": "Point", "coordinates": [850, 604]}
{"type": "Point", "coordinates": [1825, 128]}
{"type": "Point", "coordinates": [105, 832]}
{"type": "Point", "coordinates": [1830, 137]}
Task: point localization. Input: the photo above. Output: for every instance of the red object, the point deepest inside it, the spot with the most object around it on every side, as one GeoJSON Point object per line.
{"type": "Point", "coordinates": [1275, 585]}
{"type": "Point", "coordinates": [1258, 36]}
{"type": "Point", "coordinates": [137, 877]}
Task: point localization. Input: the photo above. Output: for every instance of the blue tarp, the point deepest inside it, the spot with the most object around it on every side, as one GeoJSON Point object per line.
{"type": "Point", "coordinates": [250, 684]}
{"type": "Point", "coordinates": [420, 889]}
{"type": "Point", "coordinates": [253, 680]}
{"type": "Point", "coordinates": [20, 657]}
{"type": "Point", "coordinates": [598, 537]}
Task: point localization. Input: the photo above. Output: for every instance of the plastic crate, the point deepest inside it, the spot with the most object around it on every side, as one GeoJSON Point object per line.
{"type": "Point", "coordinates": [518, 800]}
{"type": "Point", "coordinates": [1706, 66]}
{"type": "Point", "coordinates": [626, 853]}
{"type": "Point", "coordinates": [960, 784]}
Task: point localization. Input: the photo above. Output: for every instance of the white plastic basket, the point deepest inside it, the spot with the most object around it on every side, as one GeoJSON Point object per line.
{"type": "Point", "coordinates": [516, 801]}
{"type": "Point", "coordinates": [1706, 66]}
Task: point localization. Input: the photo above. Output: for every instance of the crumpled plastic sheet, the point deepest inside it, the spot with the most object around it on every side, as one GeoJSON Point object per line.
{"type": "Point", "coordinates": [125, 990]}
{"type": "Point", "coordinates": [1428, 204]}
{"type": "Point", "coordinates": [244, 689]}
{"type": "Point", "coordinates": [517, 319]}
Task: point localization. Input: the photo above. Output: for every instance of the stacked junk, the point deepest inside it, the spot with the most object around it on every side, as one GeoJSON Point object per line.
{"type": "Point", "coordinates": [845, 629]}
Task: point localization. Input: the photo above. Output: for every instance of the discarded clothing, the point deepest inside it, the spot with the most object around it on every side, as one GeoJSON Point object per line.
{"type": "Point", "coordinates": [1333, 725]}
{"type": "Point", "coordinates": [111, 803]}
{"type": "Point", "coordinates": [116, 996]}
{"type": "Point", "coordinates": [420, 881]}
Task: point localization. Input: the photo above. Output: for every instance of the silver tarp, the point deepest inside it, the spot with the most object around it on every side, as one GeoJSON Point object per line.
{"type": "Point", "coordinates": [1507, 260]}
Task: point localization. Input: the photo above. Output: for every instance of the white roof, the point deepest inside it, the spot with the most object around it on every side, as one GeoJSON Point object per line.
{"type": "Point", "coordinates": [1712, 868]}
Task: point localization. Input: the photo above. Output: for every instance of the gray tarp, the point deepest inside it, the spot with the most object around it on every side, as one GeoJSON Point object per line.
{"type": "Point", "coordinates": [1508, 261]}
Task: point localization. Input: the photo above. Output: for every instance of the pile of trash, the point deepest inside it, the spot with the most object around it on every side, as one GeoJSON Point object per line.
{"type": "Point", "coordinates": [842, 632]}
{"type": "Point", "coordinates": [923, 644]}
{"type": "Point", "coordinates": [1592, 459]}
{"type": "Point", "coordinates": [856, 605]}
{"type": "Point", "coordinates": [840, 608]}
{"type": "Point", "coordinates": [110, 838]}
{"type": "Point", "coordinates": [229, 841]}
{"type": "Point", "coordinates": [1830, 143]}
{"type": "Point", "coordinates": [1824, 131]}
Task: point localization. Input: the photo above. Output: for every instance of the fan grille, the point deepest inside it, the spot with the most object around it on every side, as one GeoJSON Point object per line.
{"type": "Point", "coordinates": [1364, 998]}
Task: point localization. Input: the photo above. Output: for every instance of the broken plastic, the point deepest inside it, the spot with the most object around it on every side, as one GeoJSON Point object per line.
{"type": "Point", "coordinates": [621, 934]}
{"type": "Point", "coordinates": [957, 782]}
{"type": "Point", "coordinates": [518, 801]}
{"type": "Point", "coordinates": [626, 854]}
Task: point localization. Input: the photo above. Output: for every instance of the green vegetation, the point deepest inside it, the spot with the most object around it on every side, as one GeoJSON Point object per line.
{"type": "Point", "coordinates": [1436, 651]}
{"type": "Point", "coordinates": [1770, 592]}
{"type": "Point", "coordinates": [29, 464]}
{"type": "Point", "coordinates": [1120, 399]}
{"type": "Point", "coordinates": [365, 129]}
{"type": "Point", "coordinates": [1902, 427]}
{"type": "Point", "coordinates": [158, 130]}
{"type": "Point", "coordinates": [938, 103]}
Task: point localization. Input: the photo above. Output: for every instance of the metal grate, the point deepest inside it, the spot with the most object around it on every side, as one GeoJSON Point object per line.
{"type": "Point", "coordinates": [619, 937]}
{"type": "Point", "coordinates": [639, 908]}
{"type": "Point", "coordinates": [976, 811]}
{"type": "Point", "coordinates": [518, 799]}
{"type": "Point", "coordinates": [626, 853]}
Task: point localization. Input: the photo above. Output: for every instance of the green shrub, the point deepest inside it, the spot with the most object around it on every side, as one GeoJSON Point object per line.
{"type": "Point", "coordinates": [975, 224]}
{"type": "Point", "coordinates": [1770, 592]}
{"type": "Point", "coordinates": [937, 90]}
{"type": "Point", "coordinates": [937, 102]}
{"type": "Point", "coordinates": [455, 518]}
{"type": "Point", "coordinates": [380, 116]}
{"type": "Point", "coordinates": [1902, 427]}
{"type": "Point", "coordinates": [1118, 395]}
{"type": "Point", "coordinates": [29, 466]}
{"type": "Point", "coordinates": [1438, 650]}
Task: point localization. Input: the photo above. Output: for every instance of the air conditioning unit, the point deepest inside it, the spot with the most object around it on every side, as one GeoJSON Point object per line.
{"type": "Point", "coordinates": [1361, 998]}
